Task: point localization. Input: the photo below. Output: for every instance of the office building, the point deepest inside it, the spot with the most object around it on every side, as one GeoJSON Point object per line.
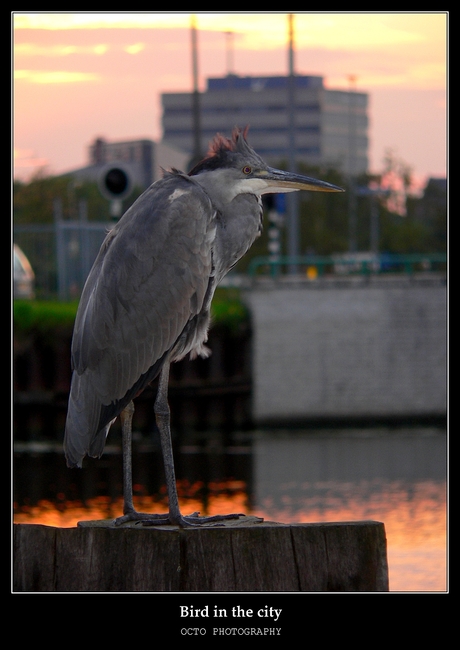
{"type": "Point", "coordinates": [331, 126]}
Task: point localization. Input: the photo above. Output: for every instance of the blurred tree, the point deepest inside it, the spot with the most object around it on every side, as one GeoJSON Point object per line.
{"type": "Point", "coordinates": [323, 216]}
{"type": "Point", "coordinates": [33, 201]}
{"type": "Point", "coordinates": [431, 211]}
{"type": "Point", "coordinates": [397, 178]}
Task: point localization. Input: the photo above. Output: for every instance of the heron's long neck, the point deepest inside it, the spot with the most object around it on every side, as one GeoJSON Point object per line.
{"type": "Point", "coordinates": [238, 225]}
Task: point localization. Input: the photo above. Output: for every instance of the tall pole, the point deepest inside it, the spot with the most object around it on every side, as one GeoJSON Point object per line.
{"type": "Point", "coordinates": [292, 203]}
{"type": "Point", "coordinates": [229, 39]}
{"type": "Point", "coordinates": [196, 154]}
{"type": "Point", "coordinates": [229, 82]}
{"type": "Point", "coordinates": [60, 249]}
{"type": "Point", "coordinates": [352, 217]}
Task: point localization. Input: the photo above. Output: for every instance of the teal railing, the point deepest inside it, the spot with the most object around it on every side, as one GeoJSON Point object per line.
{"type": "Point", "coordinates": [345, 264]}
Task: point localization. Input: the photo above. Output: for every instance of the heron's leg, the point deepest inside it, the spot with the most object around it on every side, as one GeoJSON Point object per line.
{"type": "Point", "coordinates": [162, 415]}
{"type": "Point", "coordinates": [129, 513]}
{"type": "Point", "coordinates": [126, 417]}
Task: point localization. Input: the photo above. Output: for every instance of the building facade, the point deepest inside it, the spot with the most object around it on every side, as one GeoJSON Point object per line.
{"type": "Point", "coordinates": [145, 158]}
{"type": "Point", "coordinates": [142, 159]}
{"type": "Point", "coordinates": [331, 126]}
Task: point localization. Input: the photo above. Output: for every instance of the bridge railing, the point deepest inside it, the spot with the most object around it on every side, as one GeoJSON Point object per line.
{"type": "Point", "coordinates": [346, 264]}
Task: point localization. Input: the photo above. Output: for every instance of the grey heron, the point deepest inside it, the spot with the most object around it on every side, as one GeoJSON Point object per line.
{"type": "Point", "coordinates": [146, 302]}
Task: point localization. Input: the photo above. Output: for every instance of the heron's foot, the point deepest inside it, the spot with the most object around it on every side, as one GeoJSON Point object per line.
{"type": "Point", "coordinates": [188, 521]}
{"type": "Point", "coordinates": [133, 515]}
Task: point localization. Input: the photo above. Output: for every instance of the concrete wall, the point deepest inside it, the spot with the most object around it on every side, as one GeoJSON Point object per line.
{"type": "Point", "coordinates": [348, 349]}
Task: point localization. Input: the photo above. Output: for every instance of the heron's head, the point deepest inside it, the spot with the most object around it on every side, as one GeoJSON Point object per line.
{"type": "Point", "coordinates": [234, 167]}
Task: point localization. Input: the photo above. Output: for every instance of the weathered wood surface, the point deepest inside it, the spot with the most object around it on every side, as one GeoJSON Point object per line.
{"type": "Point", "coordinates": [239, 557]}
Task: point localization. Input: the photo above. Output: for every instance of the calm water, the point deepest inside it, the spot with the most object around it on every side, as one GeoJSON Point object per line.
{"type": "Point", "coordinates": [397, 476]}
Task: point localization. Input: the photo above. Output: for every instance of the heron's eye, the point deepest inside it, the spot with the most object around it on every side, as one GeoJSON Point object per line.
{"type": "Point", "coordinates": [247, 170]}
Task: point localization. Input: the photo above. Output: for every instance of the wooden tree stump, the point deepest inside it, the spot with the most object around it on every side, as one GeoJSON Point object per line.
{"type": "Point", "coordinates": [241, 556]}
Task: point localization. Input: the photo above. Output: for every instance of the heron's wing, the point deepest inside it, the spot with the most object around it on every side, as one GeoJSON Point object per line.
{"type": "Point", "coordinates": [149, 279]}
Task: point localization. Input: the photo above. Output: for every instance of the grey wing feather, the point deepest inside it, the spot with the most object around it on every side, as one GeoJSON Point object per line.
{"type": "Point", "coordinates": [148, 281]}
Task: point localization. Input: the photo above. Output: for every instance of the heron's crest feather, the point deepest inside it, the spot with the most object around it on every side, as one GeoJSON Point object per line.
{"type": "Point", "coordinates": [221, 142]}
{"type": "Point", "coordinates": [219, 149]}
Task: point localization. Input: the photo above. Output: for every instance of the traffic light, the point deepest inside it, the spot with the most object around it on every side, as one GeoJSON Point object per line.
{"type": "Point", "coordinates": [115, 185]}
{"type": "Point", "coordinates": [274, 210]}
{"type": "Point", "coordinates": [115, 182]}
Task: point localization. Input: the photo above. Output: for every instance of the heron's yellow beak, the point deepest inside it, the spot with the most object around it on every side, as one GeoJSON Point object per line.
{"type": "Point", "coordinates": [280, 181]}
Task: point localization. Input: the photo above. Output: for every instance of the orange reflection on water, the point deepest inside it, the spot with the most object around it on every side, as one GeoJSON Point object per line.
{"type": "Point", "coordinates": [221, 498]}
{"type": "Point", "coordinates": [415, 518]}
{"type": "Point", "coordinates": [415, 525]}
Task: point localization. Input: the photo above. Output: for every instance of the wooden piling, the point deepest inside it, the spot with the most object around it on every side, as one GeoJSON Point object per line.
{"type": "Point", "coordinates": [242, 556]}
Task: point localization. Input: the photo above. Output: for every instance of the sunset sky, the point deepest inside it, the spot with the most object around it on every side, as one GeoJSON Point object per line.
{"type": "Point", "coordinates": [80, 76]}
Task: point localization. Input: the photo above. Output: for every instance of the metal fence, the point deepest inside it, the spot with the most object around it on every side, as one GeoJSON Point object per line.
{"type": "Point", "coordinates": [61, 253]}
